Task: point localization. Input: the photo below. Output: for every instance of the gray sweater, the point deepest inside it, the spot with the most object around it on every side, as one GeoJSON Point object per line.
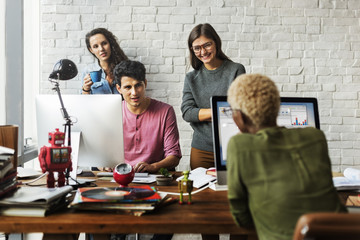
{"type": "Point", "coordinates": [199, 86]}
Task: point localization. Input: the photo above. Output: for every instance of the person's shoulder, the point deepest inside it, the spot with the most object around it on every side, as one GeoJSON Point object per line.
{"type": "Point", "coordinates": [231, 63]}
{"type": "Point", "coordinates": [305, 133]}
{"type": "Point", "coordinates": [302, 130]}
{"type": "Point", "coordinates": [193, 74]}
{"type": "Point", "coordinates": [310, 131]}
{"type": "Point", "coordinates": [244, 142]}
{"type": "Point", "coordinates": [243, 138]}
{"type": "Point", "coordinates": [234, 65]}
{"type": "Point", "coordinates": [157, 104]}
{"type": "Point", "coordinates": [161, 109]}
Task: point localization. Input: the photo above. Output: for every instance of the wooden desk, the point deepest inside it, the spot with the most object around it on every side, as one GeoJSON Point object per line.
{"type": "Point", "coordinates": [209, 214]}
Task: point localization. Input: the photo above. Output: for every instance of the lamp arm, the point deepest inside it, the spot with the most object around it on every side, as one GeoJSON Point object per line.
{"type": "Point", "coordinates": [65, 114]}
{"type": "Point", "coordinates": [63, 109]}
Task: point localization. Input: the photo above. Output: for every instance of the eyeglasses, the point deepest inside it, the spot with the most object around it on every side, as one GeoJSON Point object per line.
{"type": "Point", "coordinates": [207, 46]}
{"type": "Point", "coordinates": [229, 111]}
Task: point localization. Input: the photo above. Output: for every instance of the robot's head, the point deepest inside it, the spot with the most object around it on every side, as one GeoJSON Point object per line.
{"type": "Point", "coordinates": [56, 138]}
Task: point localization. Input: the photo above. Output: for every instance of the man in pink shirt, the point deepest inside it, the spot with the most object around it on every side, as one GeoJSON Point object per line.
{"type": "Point", "coordinates": [151, 136]}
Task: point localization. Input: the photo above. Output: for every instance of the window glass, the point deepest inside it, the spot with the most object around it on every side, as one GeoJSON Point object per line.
{"type": "Point", "coordinates": [31, 78]}
{"type": "Point", "coordinates": [2, 63]}
{"type": "Point", "coordinates": [31, 65]}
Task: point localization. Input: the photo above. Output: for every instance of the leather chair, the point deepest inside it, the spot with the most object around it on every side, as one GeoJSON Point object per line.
{"type": "Point", "coordinates": [329, 226]}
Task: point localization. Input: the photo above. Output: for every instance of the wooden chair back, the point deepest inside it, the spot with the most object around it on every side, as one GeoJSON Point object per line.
{"type": "Point", "coordinates": [329, 226]}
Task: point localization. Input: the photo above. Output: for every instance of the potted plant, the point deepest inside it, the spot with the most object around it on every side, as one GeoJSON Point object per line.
{"type": "Point", "coordinates": [165, 178]}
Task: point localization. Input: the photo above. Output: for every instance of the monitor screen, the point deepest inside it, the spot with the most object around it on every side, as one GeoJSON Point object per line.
{"type": "Point", "coordinates": [223, 127]}
{"type": "Point", "coordinates": [298, 112]}
{"type": "Point", "coordinates": [294, 112]}
{"type": "Point", "coordinates": [97, 121]}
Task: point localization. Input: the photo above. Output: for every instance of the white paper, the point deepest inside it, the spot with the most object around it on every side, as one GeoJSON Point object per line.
{"type": "Point", "coordinates": [27, 172]}
{"type": "Point", "coordinates": [6, 150]}
{"type": "Point", "coordinates": [142, 179]}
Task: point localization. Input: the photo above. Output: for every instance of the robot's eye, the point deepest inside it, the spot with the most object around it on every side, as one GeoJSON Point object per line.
{"type": "Point", "coordinates": [62, 137]}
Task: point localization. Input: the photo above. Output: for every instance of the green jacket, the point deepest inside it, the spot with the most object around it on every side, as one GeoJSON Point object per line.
{"type": "Point", "coordinates": [276, 175]}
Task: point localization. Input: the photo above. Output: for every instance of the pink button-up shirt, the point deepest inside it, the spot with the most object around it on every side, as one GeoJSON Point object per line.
{"type": "Point", "coordinates": [150, 136]}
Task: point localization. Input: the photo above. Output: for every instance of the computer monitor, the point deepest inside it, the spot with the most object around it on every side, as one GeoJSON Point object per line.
{"type": "Point", "coordinates": [294, 112]}
{"type": "Point", "coordinates": [223, 128]}
{"type": "Point", "coordinates": [98, 119]}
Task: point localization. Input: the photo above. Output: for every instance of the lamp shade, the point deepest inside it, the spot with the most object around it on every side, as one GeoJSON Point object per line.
{"type": "Point", "coordinates": [64, 69]}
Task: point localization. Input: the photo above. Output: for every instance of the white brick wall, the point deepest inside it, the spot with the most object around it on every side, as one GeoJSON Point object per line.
{"type": "Point", "coordinates": [309, 48]}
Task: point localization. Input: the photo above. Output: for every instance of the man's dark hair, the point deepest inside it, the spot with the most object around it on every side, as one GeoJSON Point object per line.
{"type": "Point", "coordinates": [128, 68]}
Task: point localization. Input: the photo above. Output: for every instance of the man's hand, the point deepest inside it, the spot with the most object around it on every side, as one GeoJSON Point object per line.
{"type": "Point", "coordinates": [169, 162]}
{"type": "Point", "coordinates": [145, 167]}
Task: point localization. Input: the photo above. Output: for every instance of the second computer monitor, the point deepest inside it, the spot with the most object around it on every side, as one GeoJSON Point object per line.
{"type": "Point", "coordinates": [294, 112]}
{"type": "Point", "coordinates": [298, 112]}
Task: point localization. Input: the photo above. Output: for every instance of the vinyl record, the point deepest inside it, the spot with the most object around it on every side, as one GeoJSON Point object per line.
{"type": "Point", "coordinates": [119, 193]}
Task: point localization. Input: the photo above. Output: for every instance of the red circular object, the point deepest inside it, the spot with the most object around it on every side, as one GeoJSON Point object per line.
{"type": "Point", "coordinates": [123, 174]}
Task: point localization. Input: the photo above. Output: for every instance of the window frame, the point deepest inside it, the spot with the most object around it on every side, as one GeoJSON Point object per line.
{"type": "Point", "coordinates": [20, 59]}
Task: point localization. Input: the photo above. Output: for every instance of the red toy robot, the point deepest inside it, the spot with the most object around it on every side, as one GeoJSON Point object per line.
{"type": "Point", "coordinates": [56, 158]}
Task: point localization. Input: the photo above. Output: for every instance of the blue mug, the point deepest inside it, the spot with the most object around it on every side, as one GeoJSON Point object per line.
{"type": "Point", "coordinates": [95, 76]}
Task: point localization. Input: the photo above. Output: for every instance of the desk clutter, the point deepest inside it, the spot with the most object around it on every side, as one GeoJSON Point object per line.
{"type": "Point", "coordinates": [8, 181]}
{"type": "Point", "coordinates": [35, 201]}
{"type": "Point", "coordinates": [42, 201]}
{"type": "Point", "coordinates": [200, 177]}
{"type": "Point", "coordinates": [135, 200]}
{"type": "Point", "coordinates": [39, 201]}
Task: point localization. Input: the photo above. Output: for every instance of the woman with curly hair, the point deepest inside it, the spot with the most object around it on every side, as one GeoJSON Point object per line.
{"type": "Point", "coordinates": [103, 45]}
{"type": "Point", "coordinates": [274, 174]}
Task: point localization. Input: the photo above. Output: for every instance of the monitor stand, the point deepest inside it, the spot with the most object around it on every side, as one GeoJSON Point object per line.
{"type": "Point", "coordinates": [221, 182]}
{"type": "Point", "coordinates": [75, 145]}
{"type": "Point", "coordinates": [216, 187]}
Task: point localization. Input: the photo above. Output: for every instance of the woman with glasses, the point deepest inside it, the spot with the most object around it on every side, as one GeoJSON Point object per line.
{"type": "Point", "coordinates": [212, 75]}
{"type": "Point", "coordinates": [102, 44]}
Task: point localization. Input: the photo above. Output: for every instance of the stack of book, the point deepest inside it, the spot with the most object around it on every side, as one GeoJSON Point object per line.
{"type": "Point", "coordinates": [350, 180]}
{"type": "Point", "coordinates": [135, 200]}
{"type": "Point", "coordinates": [35, 201]}
{"type": "Point", "coordinates": [8, 181]}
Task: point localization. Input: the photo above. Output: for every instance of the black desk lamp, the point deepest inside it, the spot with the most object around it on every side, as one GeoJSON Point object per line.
{"type": "Point", "coordinates": [64, 69]}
